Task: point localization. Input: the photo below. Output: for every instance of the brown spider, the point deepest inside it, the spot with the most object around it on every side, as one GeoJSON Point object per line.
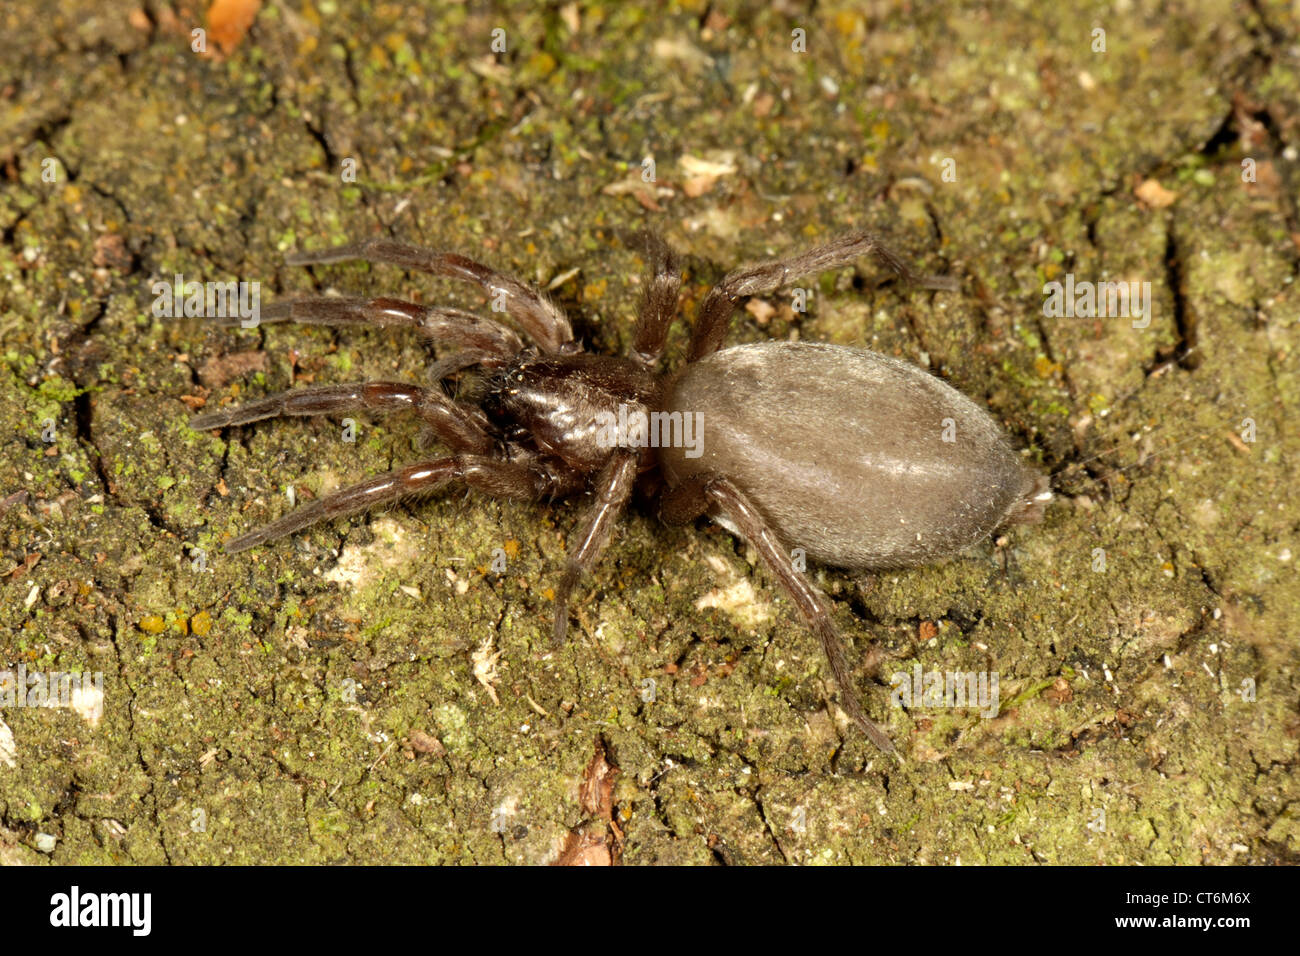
{"type": "Point", "coordinates": [832, 450]}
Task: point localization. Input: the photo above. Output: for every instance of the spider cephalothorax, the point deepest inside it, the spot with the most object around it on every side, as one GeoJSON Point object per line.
{"type": "Point", "coordinates": [560, 402]}
{"type": "Point", "coordinates": [837, 453]}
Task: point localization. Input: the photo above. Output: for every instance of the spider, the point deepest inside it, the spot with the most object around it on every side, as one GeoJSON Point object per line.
{"type": "Point", "coordinates": [831, 451]}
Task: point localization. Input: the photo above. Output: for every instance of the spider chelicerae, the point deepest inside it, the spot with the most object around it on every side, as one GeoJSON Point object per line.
{"type": "Point", "coordinates": [535, 430]}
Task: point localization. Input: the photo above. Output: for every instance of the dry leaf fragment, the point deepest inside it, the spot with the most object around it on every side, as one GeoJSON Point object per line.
{"type": "Point", "coordinates": [229, 20]}
{"type": "Point", "coordinates": [1151, 193]}
{"type": "Point", "coordinates": [702, 174]}
{"type": "Point", "coordinates": [425, 743]}
{"type": "Point", "coordinates": [597, 841]}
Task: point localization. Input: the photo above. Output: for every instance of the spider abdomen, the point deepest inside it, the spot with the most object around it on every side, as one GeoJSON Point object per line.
{"type": "Point", "coordinates": [861, 460]}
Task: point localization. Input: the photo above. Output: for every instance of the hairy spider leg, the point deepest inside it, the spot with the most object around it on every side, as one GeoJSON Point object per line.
{"type": "Point", "coordinates": [659, 303]}
{"type": "Point", "coordinates": [720, 304]}
{"type": "Point", "coordinates": [454, 326]}
{"type": "Point", "coordinates": [529, 480]}
{"type": "Point", "coordinates": [543, 320]}
{"type": "Point", "coordinates": [461, 427]}
{"type": "Point", "coordinates": [613, 488]}
{"type": "Point", "coordinates": [703, 493]}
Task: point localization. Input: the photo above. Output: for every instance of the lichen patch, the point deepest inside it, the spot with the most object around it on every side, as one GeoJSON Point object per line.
{"type": "Point", "coordinates": [358, 563]}
{"type": "Point", "coordinates": [736, 598]}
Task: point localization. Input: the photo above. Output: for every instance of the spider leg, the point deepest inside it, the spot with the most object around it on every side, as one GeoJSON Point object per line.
{"type": "Point", "coordinates": [613, 488]}
{"type": "Point", "coordinates": [463, 427]}
{"type": "Point", "coordinates": [720, 303]}
{"type": "Point", "coordinates": [531, 479]}
{"type": "Point", "coordinates": [437, 324]}
{"type": "Point", "coordinates": [542, 319]}
{"type": "Point", "coordinates": [703, 493]}
{"type": "Point", "coordinates": [659, 304]}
